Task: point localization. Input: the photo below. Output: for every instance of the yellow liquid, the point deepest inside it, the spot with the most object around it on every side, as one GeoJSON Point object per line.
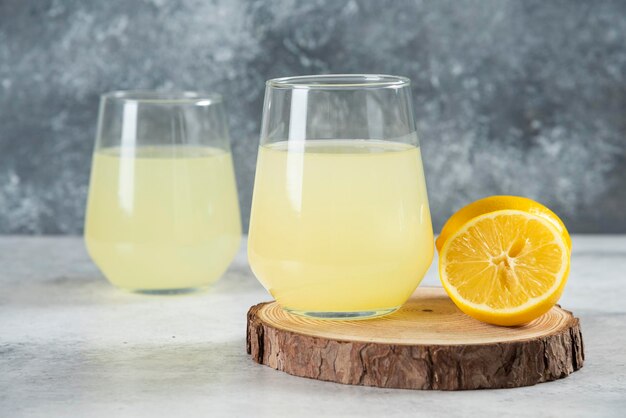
{"type": "Point", "coordinates": [163, 217]}
{"type": "Point", "coordinates": [340, 226]}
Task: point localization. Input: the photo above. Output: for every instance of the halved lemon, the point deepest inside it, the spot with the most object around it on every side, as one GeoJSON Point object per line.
{"type": "Point", "coordinates": [506, 263]}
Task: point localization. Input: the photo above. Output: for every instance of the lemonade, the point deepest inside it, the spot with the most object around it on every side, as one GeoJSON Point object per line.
{"type": "Point", "coordinates": [162, 217]}
{"type": "Point", "coordinates": [340, 225]}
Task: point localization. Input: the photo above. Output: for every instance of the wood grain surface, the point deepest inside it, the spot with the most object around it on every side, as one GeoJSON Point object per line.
{"type": "Point", "coordinates": [427, 344]}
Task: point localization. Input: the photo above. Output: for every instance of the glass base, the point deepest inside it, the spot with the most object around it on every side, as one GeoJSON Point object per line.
{"type": "Point", "coordinates": [374, 313]}
{"type": "Point", "coordinates": [182, 291]}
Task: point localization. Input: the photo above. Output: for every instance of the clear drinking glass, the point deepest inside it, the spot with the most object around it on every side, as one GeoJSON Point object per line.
{"type": "Point", "coordinates": [162, 213]}
{"type": "Point", "coordinates": [340, 224]}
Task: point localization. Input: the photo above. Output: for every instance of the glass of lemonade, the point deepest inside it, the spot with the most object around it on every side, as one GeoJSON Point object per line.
{"type": "Point", "coordinates": [162, 213]}
{"type": "Point", "coordinates": [340, 225]}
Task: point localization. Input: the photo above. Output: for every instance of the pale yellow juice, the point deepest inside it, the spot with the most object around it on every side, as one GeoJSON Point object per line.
{"type": "Point", "coordinates": [162, 217]}
{"type": "Point", "coordinates": [340, 225]}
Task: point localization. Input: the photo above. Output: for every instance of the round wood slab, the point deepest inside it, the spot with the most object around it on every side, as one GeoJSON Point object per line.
{"type": "Point", "coordinates": [427, 344]}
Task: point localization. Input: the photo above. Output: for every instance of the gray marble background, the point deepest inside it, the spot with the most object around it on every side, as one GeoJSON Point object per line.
{"type": "Point", "coordinates": [516, 97]}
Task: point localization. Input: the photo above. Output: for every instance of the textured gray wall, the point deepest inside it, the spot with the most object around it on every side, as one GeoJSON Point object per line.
{"type": "Point", "coordinates": [518, 97]}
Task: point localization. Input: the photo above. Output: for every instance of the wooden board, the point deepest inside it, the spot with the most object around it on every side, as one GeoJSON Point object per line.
{"type": "Point", "coordinates": [427, 344]}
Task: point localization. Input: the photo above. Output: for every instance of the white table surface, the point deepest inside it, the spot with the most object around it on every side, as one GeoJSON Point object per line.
{"type": "Point", "coordinates": [73, 345]}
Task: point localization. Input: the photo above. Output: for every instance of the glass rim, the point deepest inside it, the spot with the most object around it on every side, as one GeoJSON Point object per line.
{"type": "Point", "coordinates": [339, 82]}
{"type": "Point", "coordinates": [164, 97]}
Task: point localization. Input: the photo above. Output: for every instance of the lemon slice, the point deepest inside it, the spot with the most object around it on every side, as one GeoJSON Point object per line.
{"type": "Point", "coordinates": [505, 267]}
